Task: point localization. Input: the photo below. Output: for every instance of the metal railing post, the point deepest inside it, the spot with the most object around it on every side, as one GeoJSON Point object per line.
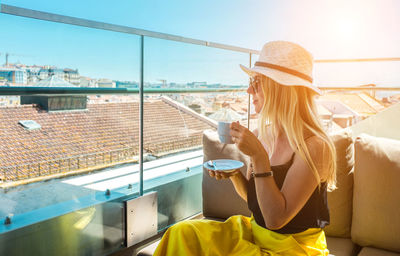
{"type": "Point", "coordinates": [141, 116]}
{"type": "Point", "coordinates": [248, 105]}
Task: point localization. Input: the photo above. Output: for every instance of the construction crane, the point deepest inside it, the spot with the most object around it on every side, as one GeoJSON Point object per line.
{"type": "Point", "coordinates": [12, 54]}
{"type": "Point", "coordinates": [6, 55]}
{"type": "Point", "coordinates": [164, 82]}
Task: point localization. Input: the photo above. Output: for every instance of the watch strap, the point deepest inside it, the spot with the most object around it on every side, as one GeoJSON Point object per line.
{"type": "Point", "coordinates": [264, 174]}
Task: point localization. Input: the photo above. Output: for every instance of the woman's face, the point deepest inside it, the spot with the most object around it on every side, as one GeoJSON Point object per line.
{"type": "Point", "coordinates": [256, 92]}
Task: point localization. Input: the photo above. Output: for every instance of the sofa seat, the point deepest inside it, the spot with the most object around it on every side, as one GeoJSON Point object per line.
{"type": "Point", "coordinates": [337, 247]}
{"type": "Point", "coordinates": [364, 207]}
{"type": "Point", "coordinates": [341, 246]}
{"type": "Point", "coordinates": [149, 250]}
{"type": "Point", "coordinates": [369, 251]}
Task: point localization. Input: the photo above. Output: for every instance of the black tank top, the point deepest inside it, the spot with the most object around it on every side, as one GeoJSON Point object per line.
{"type": "Point", "coordinates": [314, 214]}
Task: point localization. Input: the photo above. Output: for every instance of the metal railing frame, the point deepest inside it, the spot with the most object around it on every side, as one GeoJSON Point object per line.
{"type": "Point", "coordinates": [73, 163]}
{"type": "Point", "coordinates": [34, 14]}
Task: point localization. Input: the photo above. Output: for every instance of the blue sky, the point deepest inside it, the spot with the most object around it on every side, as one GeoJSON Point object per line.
{"type": "Point", "coordinates": [329, 29]}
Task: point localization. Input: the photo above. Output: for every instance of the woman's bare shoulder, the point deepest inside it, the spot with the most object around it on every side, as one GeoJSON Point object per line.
{"type": "Point", "coordinates": [315, 142]}
{"type": "Point", "coordinates": [317, 148]}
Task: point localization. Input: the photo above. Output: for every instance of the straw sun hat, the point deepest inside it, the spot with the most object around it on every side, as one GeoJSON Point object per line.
{"type": "Point", "coordinates": [286, 63]}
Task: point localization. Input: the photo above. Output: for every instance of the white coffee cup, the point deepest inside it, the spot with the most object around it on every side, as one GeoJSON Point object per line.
{"type": "Point", "coordinates": [224, 132]}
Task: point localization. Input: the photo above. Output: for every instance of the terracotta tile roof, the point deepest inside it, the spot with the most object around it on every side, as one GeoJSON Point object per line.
{"type": "Point", "coordinates": [239, 107]}
{"type": "Point", "coordinates": [359, 102]}
{"type": "Point", "coordinates": [104, 133]}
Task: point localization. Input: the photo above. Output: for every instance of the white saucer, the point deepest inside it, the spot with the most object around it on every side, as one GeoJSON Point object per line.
{"type": "Point", "coordinates": [224, 165]}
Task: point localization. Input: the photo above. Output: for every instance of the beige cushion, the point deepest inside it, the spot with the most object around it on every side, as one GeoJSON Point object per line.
{"type": "Point", "coordinates": [149, 250]}
{"type": "Point", "coordinates": [340, 200]}
{"type": "Point", "coordinates": [220, 199]}
{"type": "Point", "coordinates": [340, 246]}
{"type": "Point", "coordinates": [368, 251]}
{"type": "Point", "coordinates": [376, 200]}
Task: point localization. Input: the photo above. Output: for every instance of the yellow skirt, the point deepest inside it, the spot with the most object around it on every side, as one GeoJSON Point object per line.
{"type": "Point", "coordinates": [238, 235]}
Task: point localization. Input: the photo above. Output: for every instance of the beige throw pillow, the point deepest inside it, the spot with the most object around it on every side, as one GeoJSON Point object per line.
{"type": "Point", "coordinates": [376, 200]}
{"type": "Point", "coordinates": [220, 199]}
{"type": "Point", "coordinates": [340, 200]}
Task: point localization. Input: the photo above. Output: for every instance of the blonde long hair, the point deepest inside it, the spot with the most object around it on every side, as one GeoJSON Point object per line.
{"type": "Point", "coordinates": [293, 109]}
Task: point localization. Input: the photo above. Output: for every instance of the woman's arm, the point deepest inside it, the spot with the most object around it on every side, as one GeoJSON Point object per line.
{"type": "Point", "coordinates": [278, 207]}
{"type": "Point", "coordinates": [240, 185]}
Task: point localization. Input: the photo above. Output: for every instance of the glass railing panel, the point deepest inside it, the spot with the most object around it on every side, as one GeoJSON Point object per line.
{"type": "Point", "coordinates": [359, 73]}
{"type": "Point", "coordinates": [63, 178]}
{"type": "Point", "coordinates": [95, 230]}
{"type": "Point", "coordinates": [183, 86]}
{"type": "Point", "coordinates": [63, 153]}
{"type": "Point", "coordinates": [83, 57]}
{"type": "Point", "coordinates": [341, 108]}
{"type": "Point", "coordinates": [192, 66]}
{"type": "Point", "coordinates": [384, 124]}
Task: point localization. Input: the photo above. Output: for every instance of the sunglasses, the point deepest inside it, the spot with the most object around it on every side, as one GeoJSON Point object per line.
{"type": "Point", "coordinates": [255, 83]}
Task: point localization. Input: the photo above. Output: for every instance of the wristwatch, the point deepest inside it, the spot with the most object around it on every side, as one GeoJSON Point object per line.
{"type": "Point", "coordinates": [260, 175]}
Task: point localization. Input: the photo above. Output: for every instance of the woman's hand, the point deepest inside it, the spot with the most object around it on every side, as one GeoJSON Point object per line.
{"type": "Point", "coordinates": [250, 145]}
{"type": "Point", "coordinates": [246, 141]}
{"type": "Point", "coordinates": [223, 175]}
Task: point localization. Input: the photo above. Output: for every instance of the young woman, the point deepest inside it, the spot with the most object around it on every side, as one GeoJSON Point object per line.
{"type": "Point", "coordinates": [292, 167]}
